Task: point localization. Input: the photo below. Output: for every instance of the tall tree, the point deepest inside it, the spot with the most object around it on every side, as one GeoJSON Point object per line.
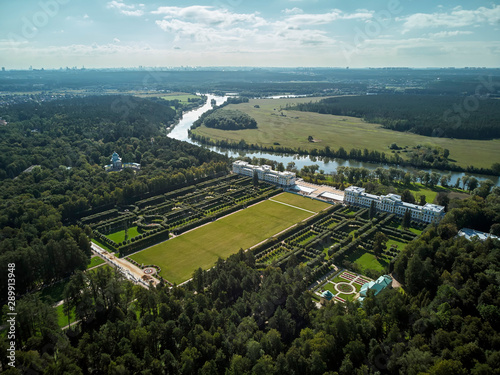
{"type": "Point", "coordinates": [379, 243]}
{"type": "Point", "coordinates": [255, 178]}
{"type": "Point", "coordinates": [406, 221]}
{"type": "Point", "coordinates": [373, 209]}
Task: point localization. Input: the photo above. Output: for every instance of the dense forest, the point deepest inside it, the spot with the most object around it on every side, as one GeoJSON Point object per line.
{"type": "Point", "coordinates": [258, 82]}
{"type": "Point", "coordinates": [444, 116]}
{"type": "Point", "coordinates": [229, 120]}
{"type": "Point", "coordinates": [234, 319]}
{"type": "Point", "coordinates": [66, 145]}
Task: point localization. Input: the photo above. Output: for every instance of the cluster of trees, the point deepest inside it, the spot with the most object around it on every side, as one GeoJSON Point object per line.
{"type": "Point", "coordinates": [229, 120]}
{"type": "Point", "coordinates": [243, 321]}
{"type": "Point", "coordinates": [404, 113]}
{"type": "Point", "coordinates": [73, 141]}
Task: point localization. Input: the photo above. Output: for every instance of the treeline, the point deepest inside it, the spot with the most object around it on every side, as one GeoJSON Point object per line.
{"type": "Point", "coordinates": [472, 117]}
{"type": "Point", "coordinates": [229, 120]}
{"type": "Point", "coordinates": [70, 150]}
{"type": "Point", "coordinates": [420, 159]}
{"type": "Point", "coordinates": [234, 319]}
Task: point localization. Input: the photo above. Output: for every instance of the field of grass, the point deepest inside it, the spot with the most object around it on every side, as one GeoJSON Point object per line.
{"type": "Point", "coordinates": [120, 236]}
{"type": "Point", "coordinates": [302, 202]}
{"type": "Point", "coordinates": [95, 261]}
{"type": "Point", "coordinates": [401, 245]}
{"type": "Point", "coordinates": [292, 128]}
{"type": "Point", "coordinates": [180, 96]}
{"type": "Point", "coordinates": [419, 189]}
{"type": "Point", "coordinates": [62, 318]}
{"type": "Point", "coordinates": [181, 256]}
{"type": "Point", "coordinates": [367, 261]}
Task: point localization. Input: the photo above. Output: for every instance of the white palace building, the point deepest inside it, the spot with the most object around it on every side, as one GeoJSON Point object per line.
{"type": "Point", "coordinates": [392, 203]}
{"type": "Point", "coordinates": [265, 173]}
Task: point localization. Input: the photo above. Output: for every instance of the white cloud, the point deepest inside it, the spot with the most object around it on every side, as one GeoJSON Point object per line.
{"type": "Point", "coordinates": [116, 40]}
{"type": "Point", "coordinates": [294, 10]}
{"type": "Point", "coordinates": [458, 17]}
{"type": "Point", "coordinates": [446, 34]}
{"type": "Point", "coordinates": [208, 15]}
{"type": "Point", "coordinates": [319, 19]}
{"type": "Point", "coordinates": [127, 10]}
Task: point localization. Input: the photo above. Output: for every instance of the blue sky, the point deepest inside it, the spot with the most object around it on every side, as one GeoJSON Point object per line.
{"type": "Point", "coordinates": [327, 33]}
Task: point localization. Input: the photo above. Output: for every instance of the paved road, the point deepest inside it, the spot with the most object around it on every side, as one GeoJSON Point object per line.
{"type": "Point", "coordinates": [131, 271]}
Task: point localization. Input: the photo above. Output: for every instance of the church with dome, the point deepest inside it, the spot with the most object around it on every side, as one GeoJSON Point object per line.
{"type": "Point", "coordinates": [117, 165]}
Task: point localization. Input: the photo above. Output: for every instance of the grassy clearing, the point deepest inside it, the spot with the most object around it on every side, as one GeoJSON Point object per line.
{"type": "Point", "coordinates": [180, 256]}
{"type": "Point", "coordinates": [62, 318]}
{"type": "Point", "coordinates": [54, 292]}
{"type": "Point", "coordinates": [95, 261]}
{"type": "Point", "coordinates": [120, 236]}
{"type": "Point", "coordinates": [302, 202]}
{"type": "Point", "coordinates": [401, 245]}
{"type": "Point", "coordinates": [182, 97]}
{"type": "Point", "coordinates": [293, 128]}
{"type": "Point", "coordinates": [367, 261]}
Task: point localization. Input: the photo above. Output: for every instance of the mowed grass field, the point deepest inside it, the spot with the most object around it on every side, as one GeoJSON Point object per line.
{"type": "Point", "coordinates": [182, 255]}
{"type": "Point", "coordinates": [302, 202]}
{"type": "Point", "coordinates": [293, 128]}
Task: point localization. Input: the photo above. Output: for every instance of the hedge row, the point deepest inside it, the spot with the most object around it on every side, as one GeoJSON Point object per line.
{"type": "Point", "coordinates": [160, 209]}
{"type": "Point", "coordinates": [320, 239]}
{"type": "Point", "coordinates": [149, 238]}
{"type": "Point", "coordinates": [115, 222]}
{"type": "Point", "coordinates": [153, 201]}
{"type": "Point", "coordinates": [99, 216]}
{"type": "Point", "coordinates": [180, 192]}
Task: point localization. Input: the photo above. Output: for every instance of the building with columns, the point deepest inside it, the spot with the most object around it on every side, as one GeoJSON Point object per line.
{"type": "Point", "coordinates": [392, 203]}
{"type": "Point", "coordinates": [265, 173]}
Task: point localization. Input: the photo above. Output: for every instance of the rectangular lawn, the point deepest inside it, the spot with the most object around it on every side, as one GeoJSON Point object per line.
{"type": "Point", "coordinates": [120, 236]}
{"type": "Point", "coordinates": [305, 203]}
{"type": "Point", "coordinates": [367, 261]}
{"type": "Point", "coordinates": [180, 256]}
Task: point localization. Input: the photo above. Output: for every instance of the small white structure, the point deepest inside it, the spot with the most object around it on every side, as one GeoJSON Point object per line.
{"type": "Point", "coordinates": [470, 234]}
{"type": "Point", "coordinates": [117, 165]}
{"type": "Point", "coordinates": [392, 203]}
{"type": "Point", "coordinates": [265, 173]}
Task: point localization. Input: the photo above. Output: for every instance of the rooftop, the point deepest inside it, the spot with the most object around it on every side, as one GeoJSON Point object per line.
{"type": "Point", "coordinates": [472, 233]}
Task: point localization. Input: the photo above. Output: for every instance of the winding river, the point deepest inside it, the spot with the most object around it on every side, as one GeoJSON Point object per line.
{"type": "Point", "coordinates": [180, 132]}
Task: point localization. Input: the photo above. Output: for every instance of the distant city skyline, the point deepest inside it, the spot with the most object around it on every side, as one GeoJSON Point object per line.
{"type": "Point", "coordinates": [284, 33]}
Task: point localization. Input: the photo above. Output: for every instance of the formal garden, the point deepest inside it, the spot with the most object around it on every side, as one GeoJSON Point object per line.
{"type": "Point", "coordinates": [289, 229]}
{"type": "Point", "coordinates": [153, 220]}
{"type": "Point", "coordinates": [340, 237]}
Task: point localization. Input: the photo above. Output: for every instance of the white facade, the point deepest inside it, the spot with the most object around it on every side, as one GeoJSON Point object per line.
{"type": "Point", "coordinates": [392, 203]}
{"type": "Point", "coordinates": [472, 233]}
{"type": "Point", "coordinates": [265, 173]}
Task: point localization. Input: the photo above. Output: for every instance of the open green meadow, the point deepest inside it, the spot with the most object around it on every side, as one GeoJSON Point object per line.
{"type": "Point", "coordinates": [181, 256]}
{"type": "Point", "coordinates": [292, 128]}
